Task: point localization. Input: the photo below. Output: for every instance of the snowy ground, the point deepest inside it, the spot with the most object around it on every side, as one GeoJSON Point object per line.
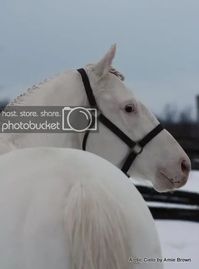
{"type": "Point", "coordinates": [180, 239]}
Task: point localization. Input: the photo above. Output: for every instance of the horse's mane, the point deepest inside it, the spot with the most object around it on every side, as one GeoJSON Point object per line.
{"type": "Point", "coordinates": [29, 91]}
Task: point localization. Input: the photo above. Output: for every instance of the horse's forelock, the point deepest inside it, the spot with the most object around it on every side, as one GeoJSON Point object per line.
{"type": "Point", "coordinates": [112, 70]}
{"type": "Point", "coordinates": [117, 73]}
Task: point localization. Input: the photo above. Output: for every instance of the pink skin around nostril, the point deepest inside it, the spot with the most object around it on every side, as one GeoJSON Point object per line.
{"type": "Point", "coordinates": [185, 166]}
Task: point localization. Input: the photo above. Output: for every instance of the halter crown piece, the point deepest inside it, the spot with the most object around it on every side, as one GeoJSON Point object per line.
{"type": "Point", "coordinates": [135, 148]}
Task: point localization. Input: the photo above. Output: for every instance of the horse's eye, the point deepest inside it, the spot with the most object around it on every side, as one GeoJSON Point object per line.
{"type": "Point", "coordinates": [129, 108]}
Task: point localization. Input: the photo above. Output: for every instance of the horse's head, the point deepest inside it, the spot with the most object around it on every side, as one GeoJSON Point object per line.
{"type": "Point", "coordinates": [162, 160]}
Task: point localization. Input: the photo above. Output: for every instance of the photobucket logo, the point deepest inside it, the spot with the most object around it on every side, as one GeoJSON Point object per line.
{"type": "Point", "coordinates": [79, 119]}
{"type": "Point", "coordinates": [26, 126]}
{"type": "Point", "coordinates": [47, 119]}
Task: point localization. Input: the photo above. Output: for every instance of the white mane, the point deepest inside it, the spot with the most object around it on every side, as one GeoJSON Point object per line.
{"type": "Point", "coordinates": [20, 99]}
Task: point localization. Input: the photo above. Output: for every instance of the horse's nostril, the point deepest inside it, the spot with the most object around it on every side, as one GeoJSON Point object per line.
{"type": "Point", "coordinates": [185, 166]}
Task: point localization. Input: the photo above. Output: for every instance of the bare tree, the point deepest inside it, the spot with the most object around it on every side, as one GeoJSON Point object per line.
{"type": "Point", "coordinates": [185, 116]}
{"type": "Point", "coordinates": [3, 104]}
{"type": "Point", "coordinates": [170, 113]}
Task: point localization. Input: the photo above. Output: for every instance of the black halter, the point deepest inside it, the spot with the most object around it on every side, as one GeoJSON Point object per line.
{"type": "Point", "coordinates": [136, 148]}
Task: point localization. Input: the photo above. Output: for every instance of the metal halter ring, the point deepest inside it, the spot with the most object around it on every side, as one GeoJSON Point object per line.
{"type": "Point", "coordinates": [137, 149]}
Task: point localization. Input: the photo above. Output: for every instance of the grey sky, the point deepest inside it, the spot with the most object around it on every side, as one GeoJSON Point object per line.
{"type": "Point", "coordinates": [157, 42]}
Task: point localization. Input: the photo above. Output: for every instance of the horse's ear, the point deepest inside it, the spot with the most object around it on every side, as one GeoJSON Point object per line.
{"type": "Point", "coordinates": [104, 65]}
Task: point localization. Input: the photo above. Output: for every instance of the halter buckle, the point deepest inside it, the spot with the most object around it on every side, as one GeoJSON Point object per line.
{"type": "Point", "coordinates": [137, 149]}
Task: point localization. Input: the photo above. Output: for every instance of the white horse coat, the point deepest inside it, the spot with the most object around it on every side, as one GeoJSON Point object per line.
{"type": "Point", "coordinates": [69, 209]}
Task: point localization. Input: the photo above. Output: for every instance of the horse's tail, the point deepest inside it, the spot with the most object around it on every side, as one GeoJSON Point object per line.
{"type": "Point", "coordinates": [96, 230]}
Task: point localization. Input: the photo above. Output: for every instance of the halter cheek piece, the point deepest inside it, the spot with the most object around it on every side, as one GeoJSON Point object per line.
{"type": "Point", "coordinates": [135, 148]}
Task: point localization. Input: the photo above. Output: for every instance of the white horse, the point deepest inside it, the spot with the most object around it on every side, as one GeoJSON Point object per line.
{"type": "Point", "coordinates": [162, 160]}
{"type": "Point", "coordinates": [70, 209]}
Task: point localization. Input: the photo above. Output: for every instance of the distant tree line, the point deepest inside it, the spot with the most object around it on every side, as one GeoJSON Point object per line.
{"type": "Point", "coordinates": [171, 114]}
{"type": "Point", "coordinates": [3, 104]}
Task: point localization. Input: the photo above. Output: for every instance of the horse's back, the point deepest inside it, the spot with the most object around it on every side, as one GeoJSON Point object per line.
{"type": "Point", "coordinates": [35, 190]}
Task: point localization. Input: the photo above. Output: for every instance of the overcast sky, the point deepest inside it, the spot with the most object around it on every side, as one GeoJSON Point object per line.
{"type": "Point", "coordinates": [158, 44]}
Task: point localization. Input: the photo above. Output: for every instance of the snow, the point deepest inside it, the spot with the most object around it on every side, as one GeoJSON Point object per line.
{"type": "Point", "coordinates": [169, 205]}
{"type": "Point", "coordinates": [180, 239]}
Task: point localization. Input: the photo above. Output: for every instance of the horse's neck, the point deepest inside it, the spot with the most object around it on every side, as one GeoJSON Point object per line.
{"type": "Point", "coordinates": [64, 90]}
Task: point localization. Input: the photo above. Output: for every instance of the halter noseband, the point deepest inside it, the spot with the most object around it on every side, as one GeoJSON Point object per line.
{"type": "Point", "coordinates": [136, 148]}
